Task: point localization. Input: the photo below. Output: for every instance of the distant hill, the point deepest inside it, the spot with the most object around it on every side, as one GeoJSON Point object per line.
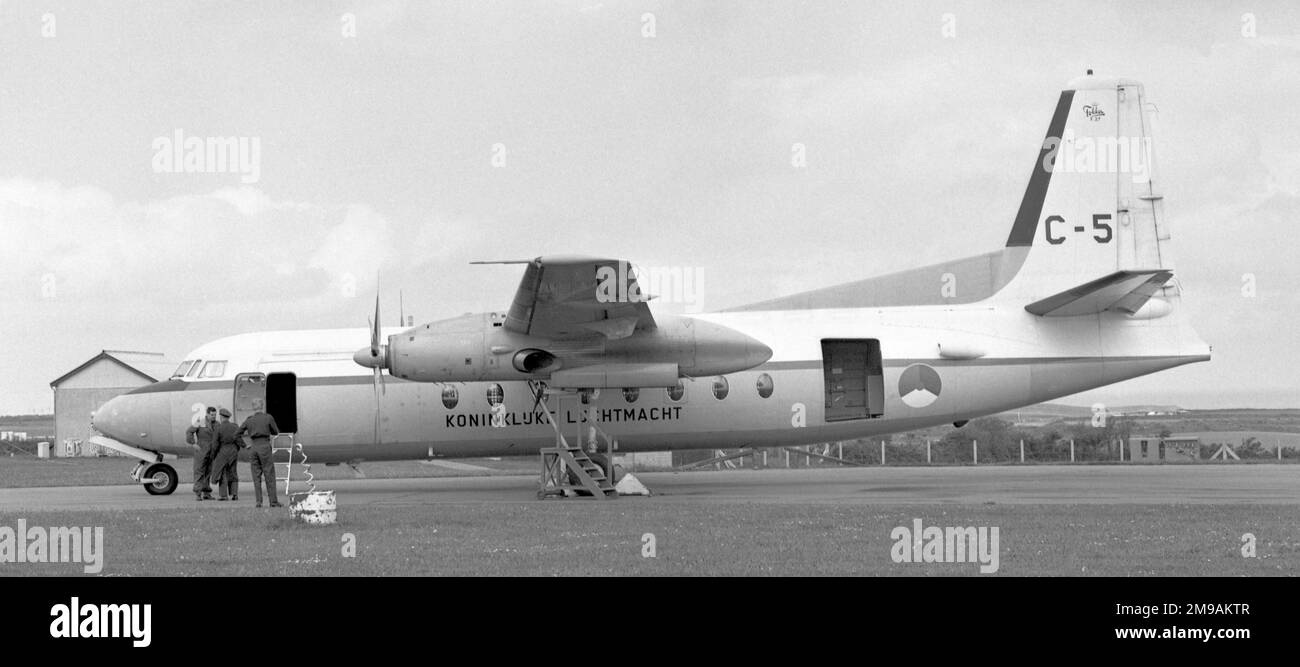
{"type": "Point", "coordinates": [1061, 411]}
{"type": "Point", "coordinates": [1044, 412]}
{"type": "Point", "coordinates": [1172, 417]}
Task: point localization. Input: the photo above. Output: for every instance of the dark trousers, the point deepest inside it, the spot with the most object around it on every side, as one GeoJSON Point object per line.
{"type": "Point", "coordinates": [228, 483]}
{"type": "Point", "coordinates": [202, 468]}
{"type": "Point", "coordinates": [263, 469]}
{"type": "Point", "coordinates": [225, 471]}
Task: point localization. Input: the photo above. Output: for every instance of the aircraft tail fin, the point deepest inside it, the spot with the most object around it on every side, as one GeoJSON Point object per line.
{"type": "Point", "coordinates": [1092, 210]}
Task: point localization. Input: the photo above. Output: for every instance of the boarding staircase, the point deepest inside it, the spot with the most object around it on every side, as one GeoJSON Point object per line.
{"type": "Point", "coordinates": [567, 469]}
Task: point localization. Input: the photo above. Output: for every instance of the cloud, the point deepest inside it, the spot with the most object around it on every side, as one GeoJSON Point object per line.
{"type": "Point", "coordinates": [357, 249]}
{"type": "Point", "coordinates": [230, 246]}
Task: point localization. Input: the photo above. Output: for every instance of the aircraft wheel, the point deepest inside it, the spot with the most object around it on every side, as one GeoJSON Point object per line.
{"type": "Point", "coordinates": [163, 478]}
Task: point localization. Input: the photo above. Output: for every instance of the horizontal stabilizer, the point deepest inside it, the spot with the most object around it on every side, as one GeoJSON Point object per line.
{"type": "Point", "coordinates": [1125, 291]}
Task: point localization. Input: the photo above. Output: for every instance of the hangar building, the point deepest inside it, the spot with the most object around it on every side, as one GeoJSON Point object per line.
{"type": "Point", "coordinates": [81, 390]}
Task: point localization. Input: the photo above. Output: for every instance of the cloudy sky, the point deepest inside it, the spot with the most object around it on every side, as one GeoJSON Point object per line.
{"type": "Point", "coordinates": [399, 141]}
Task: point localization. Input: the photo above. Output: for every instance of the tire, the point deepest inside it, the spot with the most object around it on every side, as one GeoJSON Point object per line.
{"type": "Point", "coordinates": [164, 479]}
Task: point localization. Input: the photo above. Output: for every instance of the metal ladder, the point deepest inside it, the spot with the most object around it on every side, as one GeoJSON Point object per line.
{"type": "Point", "coordinates": [566, 460]}
{"type": "Point", "coordinates": [277, 446]}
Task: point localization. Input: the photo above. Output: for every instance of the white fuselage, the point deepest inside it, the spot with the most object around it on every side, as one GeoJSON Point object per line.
{"type": "Point", "coordinates": [1008, 358]}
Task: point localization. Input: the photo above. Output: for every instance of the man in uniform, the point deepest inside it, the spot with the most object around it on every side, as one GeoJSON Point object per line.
{"type": "Point", "coordinates": [203, 438]}
{"type": "Point", "coordinates": [225, 468]}
{"type": "Point", "coordinates": [259, 428]}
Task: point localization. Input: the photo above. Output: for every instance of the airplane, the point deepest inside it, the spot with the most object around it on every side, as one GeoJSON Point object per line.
{"type": "Point", "coordinates": [1082, 295]}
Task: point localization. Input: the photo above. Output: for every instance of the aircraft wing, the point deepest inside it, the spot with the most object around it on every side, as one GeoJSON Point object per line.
{"type": "Point", "coordinates": [1125, 291]}
{"type": "Point", "coordinates": [565, 297]}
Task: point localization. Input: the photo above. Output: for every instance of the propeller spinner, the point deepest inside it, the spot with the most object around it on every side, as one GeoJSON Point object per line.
{"type": "Point", "coordinates": [375, 356]}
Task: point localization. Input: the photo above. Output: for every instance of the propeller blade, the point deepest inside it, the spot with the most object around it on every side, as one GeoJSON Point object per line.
{"type": "Point", "coordinates": [377, 381]}
{"type": "Point", "coordinates": [374, 330]}
{"type": "Point", "coordinates": [378, 361]}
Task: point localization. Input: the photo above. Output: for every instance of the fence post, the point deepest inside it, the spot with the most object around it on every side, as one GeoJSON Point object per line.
{"type": "Point", "coordinates": [882, 452]}
{"type": "Point", "coordinates": [1072, 450]}
{"type": "Point", "coordinates": [927, 451]}
{"type": "Point", "coordinates": [975, 451]}
{"type": "Point", "coordinates": [1022, 450]}
{"type": "Point", "coordinates": [839, 452]}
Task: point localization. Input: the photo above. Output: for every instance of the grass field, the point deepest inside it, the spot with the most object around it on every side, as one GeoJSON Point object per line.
{"type": "Point", "coordinates": [598, 538]}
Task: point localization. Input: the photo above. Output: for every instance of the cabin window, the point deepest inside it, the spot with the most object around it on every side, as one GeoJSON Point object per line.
{"type": "Point", "coordinates": [450, 397]}
{"type": "Point", "coordinates": [630, 394]}
{"type": "Point", "coordinates": [720, 387]}
{"type": "Point", "coordinates": [495, 394]}
{"type": "Point", "coordinates": [183, 368]}
{"type": "Point", "coordinates": [213, 369]}
{"type": "Point", "coordinates": [765, 385]}
{"type": "Point", "coordinates": [675, 393]}
{"type": "Point", "coordinates": [194, 370]}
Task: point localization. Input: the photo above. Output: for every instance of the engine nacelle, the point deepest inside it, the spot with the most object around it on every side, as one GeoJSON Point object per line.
{"type": "Point", "coordinates": [535, 361]}
{"type": "Point", "coordinates": [478, 348]}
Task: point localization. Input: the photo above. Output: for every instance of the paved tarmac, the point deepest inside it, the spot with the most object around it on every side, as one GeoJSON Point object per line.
{"type": "Point", "coordinates": [1273, 484]}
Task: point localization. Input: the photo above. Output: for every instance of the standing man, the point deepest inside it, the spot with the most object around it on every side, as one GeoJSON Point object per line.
{"type": "Point", "coordinates": [225, 467]}
{"type": "Point", "coordinates": [259, 428]}
{"type": "Point", "coordinates": [203, 437]}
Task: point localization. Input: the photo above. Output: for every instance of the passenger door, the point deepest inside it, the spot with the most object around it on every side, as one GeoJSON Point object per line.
{"type": "Point", "coordinates": [249, 387]}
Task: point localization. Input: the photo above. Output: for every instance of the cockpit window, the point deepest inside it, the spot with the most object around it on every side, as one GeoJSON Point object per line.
{"type": "Point", "coordinates": [183, 368]}
{"type": "Point", "coordinates": [214, 369]}
{"type": "Point", "coordinates": [194, 370]}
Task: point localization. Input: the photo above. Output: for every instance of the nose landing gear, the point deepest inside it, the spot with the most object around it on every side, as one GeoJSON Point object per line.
{"type": "Point", "coordinates": [159, 479]}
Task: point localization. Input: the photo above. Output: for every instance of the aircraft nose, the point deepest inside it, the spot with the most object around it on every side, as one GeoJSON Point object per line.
{"type": "Point", "coordinates": [108, 418]}
{"type": "Point", "coordinates": [124, 418]}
